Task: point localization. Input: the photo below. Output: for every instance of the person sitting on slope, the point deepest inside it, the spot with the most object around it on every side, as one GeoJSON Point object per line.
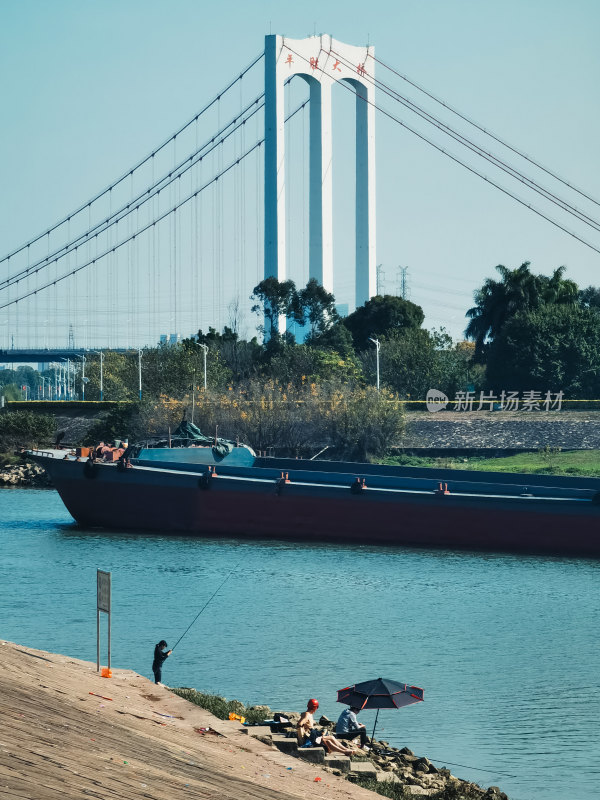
{"type": "Point", "coordinates": [307, 732]}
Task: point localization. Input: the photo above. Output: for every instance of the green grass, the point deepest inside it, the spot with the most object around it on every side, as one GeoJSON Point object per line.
{"type": "Point", "coordinates": [9, 460]}
{"type": "Point", "coordinates": [220, 707]}
{"type": "Point", "coordinates": [549, 461]}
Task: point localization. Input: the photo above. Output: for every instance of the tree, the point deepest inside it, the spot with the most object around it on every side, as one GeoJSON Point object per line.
{"type": "Point", "coordinates": [519, 290]}
{"type": "Point", "coordinates": [552, 348]}
{"type": "Point", "coordinates": [25, 429]}
{"type": "Point", "coordinates": [275, 299]}
{"type": "Point", "coordinates": [303, 364]}
{"type": "Point", "coordinates": [241, 358]}
{"type": "Point", "coordinates": [337, 338]}
{"type": "Point", "coordinates": [317, 307]}
{"type": "Point", "coordinates": [589, 298]}
{"type": "Point", "coordinates": [382, 315]}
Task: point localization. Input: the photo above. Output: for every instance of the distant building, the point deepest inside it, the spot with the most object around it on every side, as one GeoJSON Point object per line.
{"type": "Point", "coordinates": [342, 309]}
{"type": "Point", "coordinates": [169, 338]}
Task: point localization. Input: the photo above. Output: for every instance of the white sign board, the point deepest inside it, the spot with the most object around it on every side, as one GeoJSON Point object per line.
{"type": "Point", "coordinates": [103, 581]}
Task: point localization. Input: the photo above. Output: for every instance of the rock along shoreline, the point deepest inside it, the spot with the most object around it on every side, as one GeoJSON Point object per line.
{"type": "Point", "coordinates": [25, 474]}
{"type": "Point", "coordinates": [394, 772]}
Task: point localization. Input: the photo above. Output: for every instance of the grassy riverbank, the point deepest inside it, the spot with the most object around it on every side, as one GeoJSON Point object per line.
{"type": "Point", "coordinates": [548, 461]}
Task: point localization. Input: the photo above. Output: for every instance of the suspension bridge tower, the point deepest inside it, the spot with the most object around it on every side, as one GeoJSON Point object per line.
{"type": "Point", "coordinates": [321, 61]}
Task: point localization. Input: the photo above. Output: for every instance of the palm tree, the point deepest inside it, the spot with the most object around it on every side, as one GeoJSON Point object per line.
{"type": "Point", "coordinates": [519, 290]}
{"type": "Point", "coordinates": [498, 301]}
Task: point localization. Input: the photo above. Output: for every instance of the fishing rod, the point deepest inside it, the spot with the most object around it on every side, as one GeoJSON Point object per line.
{"type": "Point", "coordinates": [478, 769]}
{"type": "Point", "coordinates": [205, 605]}
{"type": "Point", "coordinates": [468, 766]}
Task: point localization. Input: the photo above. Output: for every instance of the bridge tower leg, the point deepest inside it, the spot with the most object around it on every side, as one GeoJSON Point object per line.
{"type": "Point", "coordinates": [321, 61]}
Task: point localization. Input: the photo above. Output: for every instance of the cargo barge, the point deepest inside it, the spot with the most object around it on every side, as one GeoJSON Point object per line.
{"type": "Point", "coordinates": [193, 491]}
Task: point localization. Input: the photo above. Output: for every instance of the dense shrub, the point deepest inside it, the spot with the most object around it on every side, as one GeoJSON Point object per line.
{"type": "Point", "coordinates": [353, 423]}
{"type": "Point", "coordinates": [25, 429]}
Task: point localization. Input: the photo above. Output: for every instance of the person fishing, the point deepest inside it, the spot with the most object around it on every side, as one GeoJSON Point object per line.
{"type": "Point", "coordinates": [159, 651]}
{"type": "Point", "coordinates": [159, 657]}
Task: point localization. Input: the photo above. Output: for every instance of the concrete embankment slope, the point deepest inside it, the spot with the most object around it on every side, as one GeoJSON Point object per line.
{"type": "Point", "coordinates": [59, 739]}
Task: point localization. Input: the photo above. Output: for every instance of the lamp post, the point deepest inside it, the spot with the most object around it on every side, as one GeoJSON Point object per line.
{"type": "Point", "coordinates": [193, 393]}
{"type": "Point", "coordinates": [83, 380]}
{"type": "Point", "coordinates": [101, 354]}
{"type": "Point", "coordinates": [140, 372]}
{"type": "Point", "coordinates": [63, 379]}
{"type": "Point", "coordinates": [205, 348]}
{"type": "Point", "coordinates": [377, 344]}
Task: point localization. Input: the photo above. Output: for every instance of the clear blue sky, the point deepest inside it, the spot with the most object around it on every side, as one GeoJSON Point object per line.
{"type": "Point", "coordinates": [88, 88]}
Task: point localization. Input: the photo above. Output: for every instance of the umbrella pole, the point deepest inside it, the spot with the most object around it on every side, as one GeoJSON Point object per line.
{"type": "Point", "coordinates": [374, 726]}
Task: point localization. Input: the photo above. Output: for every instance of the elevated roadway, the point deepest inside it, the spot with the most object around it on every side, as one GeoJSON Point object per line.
{"type": "Point", "coordinates": [47, 355]}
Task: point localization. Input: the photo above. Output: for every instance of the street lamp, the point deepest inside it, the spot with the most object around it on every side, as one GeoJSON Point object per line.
{"type": "Point", "coordinates": [101, 354]}
{"type": "Point", "coordinates": [140, 372]}
{"type": "Point", "coordinates": [205, 348]}
{"type": "Point", "coordinates": [83, 378]}
{"type": "Point", "coordinates": [377, 344]}
{"type": "Point", "coordinates": [63, 380]}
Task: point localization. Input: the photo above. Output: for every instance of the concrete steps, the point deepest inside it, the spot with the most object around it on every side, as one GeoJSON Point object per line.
{"type": "Point", "coordinates": [364, 769]}
{"type": "Point", "coordinates": [338, 761]}
{"type": "Point", "coordinates": [285, 744]}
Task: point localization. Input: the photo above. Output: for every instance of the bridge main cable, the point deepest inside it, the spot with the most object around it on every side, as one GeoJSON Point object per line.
{"type": "Point", "coordinates": [475, 148]}
{"type": "Point", "coordinates": [164, 215]}
{"type": "Point", "coordinates": [148, 194]}
{"type": "Point", "coordinates": [141, 163]}
{"type": "Point", "coordinates": [488, 133]}
{"type": "Point", "coordinates": [456, 158]}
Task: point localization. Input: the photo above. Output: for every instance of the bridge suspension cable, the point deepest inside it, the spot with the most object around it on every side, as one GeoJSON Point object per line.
{"type": "Point", "coordinates": [485, 154]}
{"type": "Point", "coordinates": [112, 249]}
{"type": "Point", "coordinates": [450, 155]}
{"type": "Point", "coordinates": [148, 194]}
{"type": "Point", "coordinates": [139, 164]}
{"type": "Point", "coordinates": [489, 133]}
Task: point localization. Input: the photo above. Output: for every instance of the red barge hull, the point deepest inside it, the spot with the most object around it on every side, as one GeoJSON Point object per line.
{"type": "Point", "coordinates": [250, 503]}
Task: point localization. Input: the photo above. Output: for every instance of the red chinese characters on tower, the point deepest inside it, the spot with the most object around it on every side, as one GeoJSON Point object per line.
{"type": "Point", "coordinates": [314, 63]}
{"type": "Point", "coordinates": [361, 69]}
{"type": "Point", "coordinates": [336, 66]}
{"type": "Point", "coordinates": [289, 60]}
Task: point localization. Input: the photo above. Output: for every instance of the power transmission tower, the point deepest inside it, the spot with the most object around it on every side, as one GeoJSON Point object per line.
{"type": "Point", "coordinates": [403, 289]}
{"type": "Point", "coordinates": [380, 279]}
{"type": "Point", "coordinates": [71, 344]}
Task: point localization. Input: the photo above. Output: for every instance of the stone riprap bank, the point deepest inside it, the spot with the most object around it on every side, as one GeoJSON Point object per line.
{"type": "Point", "coordinates": [501, 430]}
{"type": "Point", "coordinates": [24, 474]}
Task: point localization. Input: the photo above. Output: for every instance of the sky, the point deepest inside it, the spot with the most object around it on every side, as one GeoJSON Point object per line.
{"type": "Point", "coordinates": [89, 88]}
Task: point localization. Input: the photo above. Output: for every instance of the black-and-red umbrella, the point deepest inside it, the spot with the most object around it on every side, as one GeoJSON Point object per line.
{"type": "Point", "coordinates": [380, 693]}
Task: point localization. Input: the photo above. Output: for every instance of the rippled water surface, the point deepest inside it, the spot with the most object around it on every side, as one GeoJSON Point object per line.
{"type": "Point", "coordinates": [506, 647]}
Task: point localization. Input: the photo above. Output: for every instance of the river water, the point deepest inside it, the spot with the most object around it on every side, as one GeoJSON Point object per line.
{"type": "Point", "coordinates": [506, 647]}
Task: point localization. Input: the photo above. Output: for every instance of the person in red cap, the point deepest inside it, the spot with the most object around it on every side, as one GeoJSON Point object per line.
{"type": "Point", "coordinates": [307, 732]}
